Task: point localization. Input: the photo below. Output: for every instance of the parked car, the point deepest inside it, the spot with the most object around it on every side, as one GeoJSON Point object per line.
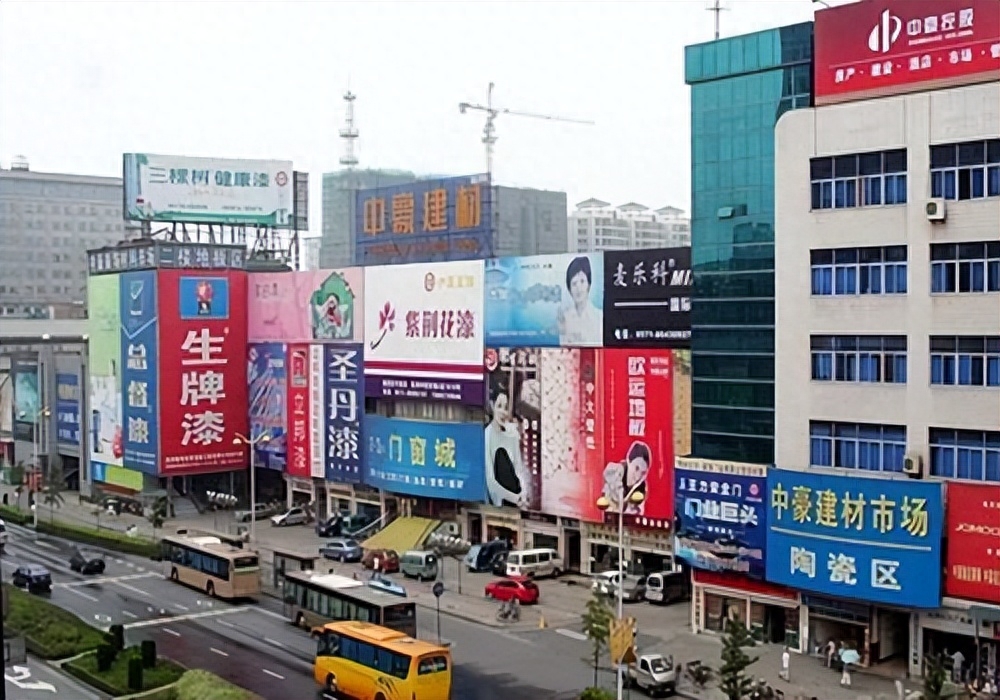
{"type": "Point", "coordinates": [3, 534]}
{"type": "Point", "coordinates": [260, 511]}
{"type": "Point", "coordinates": [534, 562]}
{"type": "Point", "coordinates": [480, 557]}
{"type": "Point", "coordinates": [653, 674]}
{"type": "Point", "coordinates": [341, 549]}
{"type": "Point", "coordinates": [387, 585]}
{"type": "Point", "coordinates": [421, 565]}
{"type": "Point", "coordinates": [633, 589]}
{"type": "Point", "coordinates": [292, 516]}
{"type": "Point", "coordinates": [343, 525]}
{"type": "Point", "coordinates": [35, 577]}
{"type": "Point", "coordinates": [498, 567]}
{"type": "Point", "coordinates": [667, 586]}
{"type": "Point", "coordinates": [388, 560]}
{"type": "Point", "coordinates": [86, 562]}
{"type": "Point", "coordinates": [520, 587]}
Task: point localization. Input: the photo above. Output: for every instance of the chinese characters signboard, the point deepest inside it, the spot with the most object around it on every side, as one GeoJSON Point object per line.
{"type": "Point", "coordinates": [316, 306]}
{"type": "Point", "coordinates": [425, 221]}
{"type": "Point", "coordinates": [67, 409]}
{"type": "Point", "coordinates": [870, 539]}
{"type": "Point", "coordinates": [207, 190]}
{"type": "Point", "coordinates": [873, 49]}
{"type": "Point", "coordinates": [417, 458]}
{"type": "Point", "coordinates": [344, 400]}
{"type": "Point", "coordinates": [973, 542]}
{"type": "Point", "coordinates": [152, 255]}
{"type": "Point", "coordinates": [721, 515]}
{"type": "Point", "coordinates": [647, 298]}
{"type": "Point", "coordinates": [139, 371]}
{"type": "Point", "coordinates": [299, 410]}
{"type": "Point", "coordinates": [266, 384]}
{"type": "Point", "coordinates": [104, 352]}
{"type": "Point", "coordinates": [424, 332]}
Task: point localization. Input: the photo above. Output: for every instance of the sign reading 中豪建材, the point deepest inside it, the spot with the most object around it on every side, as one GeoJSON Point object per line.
{"type": "Point", "coordinates": [851, 536]}
{"type": "Point", "coordinates": [647, 298]}
{"type": "Point", "coordinates": [184, 189]}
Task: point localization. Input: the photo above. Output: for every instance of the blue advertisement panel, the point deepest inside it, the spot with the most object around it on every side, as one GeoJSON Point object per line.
{"type": "Point", "coordinates": [204, 297]}
{"type": "Point", "coordinates": [545, 301]}
{"type": "Point", "coordinates": [67, 408]}
{"type": "Point", "coordinates": [139, 341]}
{"type": "Point", "coordinates": [874, 540]}
{"type": "Point", "coordinates": [425, 221]}
{"type": "Point", "coordinates": [720, 515]}
{"type": "Point", "coordinates": [344, 402]}
{"type": "Point", "coordinates": [266, 382]}
{"type": "Point", "coordinates": [27, 405]}
{"type": "Point", "coordinates": [418, 458]}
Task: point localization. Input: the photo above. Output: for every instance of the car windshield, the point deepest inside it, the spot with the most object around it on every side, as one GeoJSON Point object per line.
{"type": "Point", "coordinates": [530, 586]}
{"type": "Point", "coordinates": [659, 665]}
{"type": "Point", "coordinates": [350, 543]}
{"type": "Point", "coordinates": [38, 571]}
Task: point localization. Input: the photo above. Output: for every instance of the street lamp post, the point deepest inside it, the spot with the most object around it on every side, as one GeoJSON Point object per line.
{"type": "Point", "coordinates": [633, 495]}
{"type": "Point", "coordinates": [252, 444]}
{"type": "Point", "coordinates": [41, 415]}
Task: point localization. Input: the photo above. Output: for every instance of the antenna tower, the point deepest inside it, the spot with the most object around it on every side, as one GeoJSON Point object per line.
{"type": "Point", "coordinates": [717, 9]}
{"type": "Point", "coordinates": [349, 133]}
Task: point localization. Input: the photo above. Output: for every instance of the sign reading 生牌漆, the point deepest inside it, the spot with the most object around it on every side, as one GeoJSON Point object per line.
{"type": "Point", "coordinates": [207, 190]}
{"type": "Point", "coordinates": [874, 540]}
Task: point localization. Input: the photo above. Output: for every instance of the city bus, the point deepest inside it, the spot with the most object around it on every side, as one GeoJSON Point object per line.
{"type": "Point", "coordinates": [211, 565]}
{"type": "Point", "coordinates": [312, 599]}
{"type": "Point", "coordinates": [363, 661]}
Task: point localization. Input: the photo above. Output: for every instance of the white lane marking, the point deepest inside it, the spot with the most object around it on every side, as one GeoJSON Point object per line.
{"type": "Point", "coordinates": [130, 565]}
{"type": "Point", "coordinates": [105, 579]}
{"type": "Point", "coordinates": [227, 624]}
{"type": "Point", "coordinates": [181, 618]}
{"type": "Point", "coordinates": [140, 568]}
{"type": "Point", "coordinates": [217, 651]}
{"type": "Point", "coordinates": [89, 597]}
{"type": "Point", "coordinates": [119, 561]}
{"type": "Point", "coordinates": [46, 545]}
{"type": "Point", "coordinates": [170, 631]}
{"type": "Point", "coordinates": [268, 640]}
{"type": "Point", "coordinates": [181, 607]}
{"type": "Point", "coordinates": [127, 587]}
{"type": "Point", "coordinates": [272, 673]}
{"type": "Point", "coordinates": [262, 611]}
{"type": "Point", "coordinates": [126, 613]}
{"type": "Point", "coordinates": [572, 634]}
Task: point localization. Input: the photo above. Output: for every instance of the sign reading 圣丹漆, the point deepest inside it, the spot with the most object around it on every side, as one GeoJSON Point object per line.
{"type": "Point", "coordinates": [869, 539]}
{"type": "Point", "coordinates": [344, 397]}
{"type": "Point", "coordinates": [647, 298]}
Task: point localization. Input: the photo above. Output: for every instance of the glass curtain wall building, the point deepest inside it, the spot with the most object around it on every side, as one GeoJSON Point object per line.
{"type": "Point", "coordinates": [740, 87]}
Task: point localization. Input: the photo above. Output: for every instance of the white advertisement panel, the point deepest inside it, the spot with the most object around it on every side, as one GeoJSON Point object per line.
{"type": "Point", "coordinates": [424, 331]}
{"type": "Point", "coordinates": [207, 190]}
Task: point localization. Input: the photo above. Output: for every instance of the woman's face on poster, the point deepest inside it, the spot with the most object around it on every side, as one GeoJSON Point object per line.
{"type": "Point", "coordinates": [579, 287]}
{"type": "Point", "coordinates": [501, 408]}
{"type": "Point", "coordinates": [638, 467]}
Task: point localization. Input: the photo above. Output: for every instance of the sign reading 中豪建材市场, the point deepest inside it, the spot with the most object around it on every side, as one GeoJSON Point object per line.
{"type": "Point", "coordinates": [154, 255]}
{"type": "Point", "coordinates": [857, 537]}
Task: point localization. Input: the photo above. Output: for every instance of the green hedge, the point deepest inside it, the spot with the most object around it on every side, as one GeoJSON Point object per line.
{"type": "Point", "coordinates": [49, 631]}
{"type": "Point", "coordinates": [109, 539]}
{"type": "Point", "coordinates": [202, 685]}
{"type": "Point", "coordinates": [115, 680]}
{"type": "Point", "coordinates": [14, 515]}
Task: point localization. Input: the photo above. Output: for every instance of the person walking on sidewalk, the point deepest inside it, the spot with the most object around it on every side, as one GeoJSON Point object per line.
{"type": "Point", "coordinates": [786, 659]}
{"type": "Point", "coordinates": [831, 651]}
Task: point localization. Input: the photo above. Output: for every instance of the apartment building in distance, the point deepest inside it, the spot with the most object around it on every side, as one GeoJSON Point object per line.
{"type": "Point", "coordinates": [596, 225]}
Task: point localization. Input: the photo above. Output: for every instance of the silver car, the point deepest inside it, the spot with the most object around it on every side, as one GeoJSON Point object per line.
{"type": "Point", "coordinates": [292, 516]}
{"type": "Point", "coordinates": [633, 590]}
{"type": "Point", "coordinates": [341, 549]}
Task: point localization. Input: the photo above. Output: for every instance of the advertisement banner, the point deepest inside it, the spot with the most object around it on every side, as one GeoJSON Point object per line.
{"type": "Point", "coordinates": [874, 49]}
{"type": "Point", "coordinates": [299, 408]}
{"type": "Point", "coordinates": [344, 398]}
{"type": "Point", "coordinates": [425, 221]}
{"type": "Point", "coordinates": [6, 404]}
{"type": "Point", "coordinates": [317, 451]}
{"type": "Point", "coordinates": [418, 458]}
{"type": "Point", "coordinates": [638, 416]}
{"type": "Point", "coordinates": [203, 365]}
{"type": "Point", "coordinates": [973, 542]}
{"type": "Point", "coordinates": [152, 254]}
{"type": "Point", "coordinates": [647, 298]}
{"type": "Point", "coordinates": [105, 353]}
{"type": "Point", "coordinates": [850, 536]}
{"type": "Point", "coordinates": [424, 333]}
{"type": "Point", "coordinates": [514, 428]}
{"type": "Point", "coordinates": [139, 331]}
{"type": "Point", "coordinates": [183, 189]}
{"type": "Point", "coordinates": [545, 301]}
{"type": "Point", "coordinates": [266, 381]}
{"type": "Point", "coordinates": [67, 409]}
{"type": "Point", "coordinates": [720, 515]}
{"type": "Point", "coordinates": [27, 403]}
{"type": "Point", "coordinates": [316, 306]}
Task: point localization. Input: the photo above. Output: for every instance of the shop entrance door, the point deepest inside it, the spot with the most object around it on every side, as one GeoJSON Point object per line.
{"type": "Point", "coordinates": [475, 528]}
{"type": "Point", "coordinates": [571, 543]}
{"type": "Point", "coordinates": [774, 624]}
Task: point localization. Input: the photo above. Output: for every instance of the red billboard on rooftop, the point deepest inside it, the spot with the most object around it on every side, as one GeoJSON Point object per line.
{"type": "Point", "coordinates": [875, 48]}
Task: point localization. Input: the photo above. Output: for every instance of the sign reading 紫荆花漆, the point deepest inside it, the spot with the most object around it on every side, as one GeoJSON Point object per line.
{"type": "Point", "coordinates": [139, 355]}
{"type": "Point", "coordinates": [885, 47]}
{"type": "Point", "coordinates": [344, 398]}
{"type": "Point", "coordinates": [857, 537]}
{"type": "Point", "coordinates": [647, 298]}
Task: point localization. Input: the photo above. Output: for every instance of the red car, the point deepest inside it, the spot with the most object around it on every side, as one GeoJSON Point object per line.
{"type": "Point", "coordinates": [520, 587]}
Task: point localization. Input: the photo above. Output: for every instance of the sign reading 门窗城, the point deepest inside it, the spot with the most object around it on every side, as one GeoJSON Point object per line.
{"type": "Point", "coordinates": [183, 189]}
{"type": "Point", "coordinates": [870, 539]}
{"type": "Point", "coordinates": [885, 47]}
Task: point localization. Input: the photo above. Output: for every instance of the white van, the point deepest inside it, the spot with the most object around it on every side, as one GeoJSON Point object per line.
{"type": "Point", "coordinates": [3, 533]}
{"type": "Point", "coordinates": [534, 562]}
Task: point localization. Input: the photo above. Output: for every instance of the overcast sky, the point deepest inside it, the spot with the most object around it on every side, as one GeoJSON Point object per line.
{"type": "Point", "coordinates": [82, 82]}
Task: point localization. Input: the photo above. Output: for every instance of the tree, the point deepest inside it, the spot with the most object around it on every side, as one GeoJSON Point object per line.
{"type": "Point", "coordinates": [597, 619]}
{"type": "Point", "coordinates": [935, 677]}
{"type": "Point", "coordinates": [52, 492]}
{"type": "Point", "coordinates": [733, 679]}
{"type": "Point", "coordinates": [157, 514]}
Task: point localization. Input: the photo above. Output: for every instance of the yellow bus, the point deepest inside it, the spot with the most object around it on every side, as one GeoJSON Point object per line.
{"type": "Point", "coordinates": [209, 564]}
{"type": "Point", "coordinates": [362, 661]}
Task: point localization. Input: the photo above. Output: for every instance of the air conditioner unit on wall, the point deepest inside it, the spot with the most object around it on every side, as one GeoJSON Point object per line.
{"type": "Point", "coordinates": [937, 210]}
{"type": "Point", "coordinates": [913, 466]}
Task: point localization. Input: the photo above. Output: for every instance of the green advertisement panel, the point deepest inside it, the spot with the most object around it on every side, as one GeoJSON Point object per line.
{"type": "Point", "coordinates": [104, 328]}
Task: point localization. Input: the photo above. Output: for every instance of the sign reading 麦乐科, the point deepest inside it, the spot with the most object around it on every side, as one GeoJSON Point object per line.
{"type": "Point", "coordinates": [647, 298]}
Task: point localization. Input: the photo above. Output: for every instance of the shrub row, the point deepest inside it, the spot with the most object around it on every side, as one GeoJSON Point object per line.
{"type": "Point", "coordinates": [48, 630]}
{"type": "Point", "coordinates": [109, 539]}
{"type": "Point", "coordinates": [122, 673]}
{"type": "Point", "coordinates": [202, 685]}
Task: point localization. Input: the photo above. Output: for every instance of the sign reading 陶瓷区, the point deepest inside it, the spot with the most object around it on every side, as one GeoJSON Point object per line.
{"type": "Point", "coordinates": [207, 190]}
{"type": "Point", "coordinates": [973, 542]}
{"type": "Point", "coordinates": [869, 539]}
{"type": "Point", "coordinates": [68, 408]}
{"type": "Point", "coordinates": [344, 397]}
{"type": "Point", "coordinates": [885, 47]}
{"type": "Point", "coordinates": [139, 355]}
{"type": "Point", "coordinates": [647, 298]}
{"type": "Point", "coordinates": [424, 332]}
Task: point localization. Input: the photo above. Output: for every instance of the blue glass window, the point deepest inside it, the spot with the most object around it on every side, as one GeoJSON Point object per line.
{"type": "Point", "coordinates": [863, 179]}
{"type": "Point", "coordinates": [850, 271]}
{"type": "Point", "coordinates": [965, 454]}
{"type": "Point", "coordinates": [878, 448]}
{"type": "Point", "coordinates": [967, 268]}
{"type": "Point", "coordinates": [969, 170]}
{"type": "Point", "coordinates": [859, 358]}
{"type": "Point", "coordinates": [965, 360]}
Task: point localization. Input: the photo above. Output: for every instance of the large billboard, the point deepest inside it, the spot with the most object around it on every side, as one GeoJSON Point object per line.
{"type": "Point", "coordinates": [973, 557]}
{"type": "Point", "coordinates": [67, 408]}
{"type": "Point", "coordinates": [344, 402]}
{"type": "Point", "coordinates": [720, 512]}
{"type": "Point", "coordinates": [104, 329]}
{"type": "Point", "coordinates": [425, 221]}
{"type": "Point", "coordinates": [852, 536]}
{"type": "Point", "coordinates": [874, 49]}
{"type": "Point", "coordinates": [149, 254]}
{"type": "Point", "coordinates": [183, 189]}
{"type": "Point", "coordinates": [203, 371]}
{"type": "Point", "coordinates": [316, 306]}
{"type": "Point", "coordinates": [140, 390]}
{"type": "Point", "coordinates": [267, 405]}
{"type": "Point", "coordinates": [647, 298]}
{"type": "Point", "coordinates": [545, 301]}
{"type": "Point", "coordinates": [424, 332]}
{"type": "Point", "coordinates": [299, 438]}
{"type": "Point", "coordinates": [420, 458]}
{"type": "Point", "coordinates": [27, 403]}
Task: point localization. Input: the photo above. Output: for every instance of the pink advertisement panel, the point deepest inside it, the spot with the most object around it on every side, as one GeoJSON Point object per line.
{"type": "Point", "coordinates": [315, 306]}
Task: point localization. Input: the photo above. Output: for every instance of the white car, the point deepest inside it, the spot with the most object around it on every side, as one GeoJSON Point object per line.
{"type": "Point", "coordinates": [633, 591]}
{"type": "Point", "coordinates": [292, 516]}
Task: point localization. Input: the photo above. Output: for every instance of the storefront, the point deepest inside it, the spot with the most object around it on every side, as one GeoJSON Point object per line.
{"type": "Point", "coordinates": [770, 612]}
{"type": "Point", "coordinates": [301, 492]}
{"type": "Point", "coordinates": [482, 523]}
{"type": "Point", "coordinates": [646, 551]}
{"type": "Point", "coordinates": [953, 628]}
{"type": "Point", "coordinates": [338, 497]}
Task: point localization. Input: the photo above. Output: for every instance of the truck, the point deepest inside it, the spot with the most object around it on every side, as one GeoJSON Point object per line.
{"type": "Point", "coordinates": [653, 674]}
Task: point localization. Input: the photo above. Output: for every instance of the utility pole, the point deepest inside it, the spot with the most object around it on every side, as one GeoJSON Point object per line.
{"type": "Point", "coordinates": [717, 9]}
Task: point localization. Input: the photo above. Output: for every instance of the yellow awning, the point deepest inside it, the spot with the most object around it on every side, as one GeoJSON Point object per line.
{"type": "Point", "coordinates": [402, 534]}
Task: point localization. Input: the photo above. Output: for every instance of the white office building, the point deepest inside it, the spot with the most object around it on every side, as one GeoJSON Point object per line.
{"type": "Point", "coordinates": [597, 226]}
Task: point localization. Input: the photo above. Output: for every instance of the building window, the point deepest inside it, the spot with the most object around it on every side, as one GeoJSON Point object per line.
{"type": "Point", "coordinates": [965, 454]}
{"type": "Point", "coordinates": [965, 267]}
{"type": "Point", "coordinates": [849, 271]}
{"type": "Point", "coordinates": [859, 180]}
{"type": "Point", "coordinates": [877, 448]}
{"type": "Point", "coordinates": [965, 360]}
{"type": "Point", "coordinates": [966, 170]}
{"type": "Point", "coordinates": [859, 358]}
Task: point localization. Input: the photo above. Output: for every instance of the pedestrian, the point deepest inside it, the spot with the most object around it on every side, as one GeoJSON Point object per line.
{"type": "Point", "coordinates": [957, 659]}
{"type": "Point", "coordinates": [786, 659]}
{"type": "Point", "coordinates": [845, 677]}
{"type": "Point", "coordinates": [831, 649]}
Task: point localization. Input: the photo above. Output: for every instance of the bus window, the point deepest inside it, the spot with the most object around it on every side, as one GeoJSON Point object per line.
{"type": "Point", "coordinates": [329, 645]}
{"type": "Point", "coordinates": [394, 664]}
{"type": "Point", "coordinates": [395, 614]}
{"type": "Point", "coordinates": [245, 563]}
{"type": "Point", "coordinates": [432, 664]}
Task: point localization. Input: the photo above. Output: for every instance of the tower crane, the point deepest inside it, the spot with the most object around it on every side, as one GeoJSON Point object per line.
{"type": "Point", "coordinates": [492, 112]}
